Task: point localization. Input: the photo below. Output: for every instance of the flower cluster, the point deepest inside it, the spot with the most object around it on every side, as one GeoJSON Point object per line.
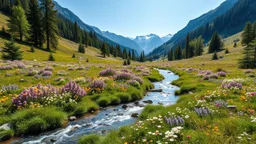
{"type": "Point", "coordinates": [124, 76]}
{"type": "Point", "coordinates": [220, 103]}
{"type": "Point", "coordinates": [232, 84]}
{"type": "Point", "coordinates": [98, 85]}
{"type": "Point", "coordinates": [9, 88]}
{"type": "Point", "coordinates": [203, 111]}
{"type": "Point", "coordinates": [248, 71]}
{"type": "Point", "coordinates": [173, 134]}
{"type": "Point", "coordinates": [174, 120]}
{"type": "Point", "coordinates": [222, 74]}
{"type": "Point", "coordinates": [108, 72]}
{"type": "Point", "coordinates": [61, 73]}
{"type": "Point", "coordinates": [7, 67]}
{"type": "Point", "coordinates": [73, 88]}
{"type": "Point", "coordinates": [133, 83]}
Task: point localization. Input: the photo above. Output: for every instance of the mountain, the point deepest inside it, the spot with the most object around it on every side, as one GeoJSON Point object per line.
{"type": "Point", "coordinates": [192, 25]}
{"type": "Point", "coordinates": [123, 40]}
{"type": "Point", "coordinates": [166, 38]}
{"type": "Point", "coordinates": [74, 18]}
{"type": "Point", "coordinates": [149, 42]}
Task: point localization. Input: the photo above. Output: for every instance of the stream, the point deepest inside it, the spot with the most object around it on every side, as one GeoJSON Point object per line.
{"type": "Point", "coordinates": [108, 119]}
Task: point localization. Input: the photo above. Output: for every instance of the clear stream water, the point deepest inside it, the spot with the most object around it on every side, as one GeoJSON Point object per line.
{"type": "Point", "coordinates": [108, 119]}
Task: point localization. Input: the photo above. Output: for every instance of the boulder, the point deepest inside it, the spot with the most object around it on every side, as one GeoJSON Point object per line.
{"type": "Point", "coordinates": [53, 140]}
{"type": "Point", "coordinates": [148, 101]}
{"type": "Point", "coordinates": [231, 107]}
{"type": "Point", "coordinates": [72, 118]}
{"type": "Point", "coordinates": [124, 106]}
{"type": "Point", "coordinates": [156, 90]}
{"type": "Point", "coordinates": [135, 115]}
{"type": "Point", "coordinates": [136, 103]}
{"type": "Point", "coordinates": [5, 126]}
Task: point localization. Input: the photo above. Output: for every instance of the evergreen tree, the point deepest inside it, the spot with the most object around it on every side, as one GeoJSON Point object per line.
{"type": "Point", "coordinates": [32, 49]}
{"type": "Point", "coordinates": [73, 56]}
{"type": "Point", "coordinates": [17, 3]}
{"type": "Point", "coordinates": [11, 51]}
{"type": "Point", "coordinates": [170, 55]}
{"type": "Point", "coordinates": [235, 45]}
{"type": "Point", "coordinates": [103, 50]}
{"type": "Point", "coordinates": [133, 55]}
{"type": "Point", "coordinates": [50, 24]}
{"type": "Point", "coordinates": [107, 51]}
{"type": "Point", "coordinates": [81, 48]}
{"type": "Point", "coordinates": [125, 63]}
{"type": "Point", "coordinates": [124, 54]}
{"type": "Point", "coordinates": [25, 5]}
{"type": "Point", "coordinates": [18, 23]}
{"type": "Point", "coordinates": [128, 61]}
{"type": "Point", "coordinates": [249, 56]}
{"type": "Point", "coordinates": [77, 35]}
{"type": "Point", "coordinates": [51, 58]}
{"type": "Point", "coordinates": [215, 56]}
{"type": "Point", "coordinates": [226, 51]}
{"type": "Point", "coordinates": [3, 30]}
{"type": "Point", "coordinates": [129, 55]}
{"type": "Point", "coordinates": [215, 44]}
{"type": "Point", "coordinates": [247, 35]}
{"type": "Point", "coordinates": [187, 54]}
{"type": "Point", "coordinates": [178, 53]}
{"type": "Point", "coordinates": [254, 30]}
{"type": "Point", "coordinates": [197, 45]}
{"type": "Point", "coordinates": [36, 28]}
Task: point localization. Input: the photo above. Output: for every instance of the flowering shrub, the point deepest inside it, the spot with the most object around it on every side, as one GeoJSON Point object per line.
{"type": "Point", "coordinates": [108, 72]}
{"type": "Point", "coordinates": [232, 84]}
{"type": "Point", "coordinates": [80, 80]}
{"type": "Point", "coordinates": [138, 79]}
{"type": "Point", "coordinates": [124, 76]}
{"type": "Point", "coordinates": [206, 77]}
{"type": "Point", "coordinates": [203, 111]}
{"type": "Point", "coordinates": [220, 103]}
{"type": "Point", "coordinates": [8, 67]}
{"type": "Point", "coordinates": [173, 135]}
{"type": "Point", "coordinates": [80, 68]}
{"type": "Point", "coordinates": [61, 73]}
{"type": "Point", "coordinates": [32, 72]}
{"type": "Point", "coordinates": [40, 94]}
{"type": "Point", "coordinates": [47, 74]}
{"type": "Point", "coordinates": [71, 69]}
{"type": "Point", "coordinates": [248, 71]}
{"type": "Point", "coordinates": [174, 120]}
{"type": "Point", "coordinates": [213, 76]}
{"type": "Point", "coordinates": [222, 74]}
{"type": "Point", "coordinates": [133, 83]}
{"type": "Point", "coordinates": [10, 88]}
{"type": "Point", "coordinates": [48, 68]}
{"type": "Point", "coordinates": [97, 85]}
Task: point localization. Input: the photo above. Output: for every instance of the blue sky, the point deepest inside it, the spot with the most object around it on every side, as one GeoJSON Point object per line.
{"type": "Point", "coordinates": [131, 18]}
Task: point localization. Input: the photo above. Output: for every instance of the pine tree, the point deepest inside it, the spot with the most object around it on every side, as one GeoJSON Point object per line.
{"type": "Point", "coordinates": [235, 45]}
{"type": "Point", "coordinates": [73, 56]}
{"type": "Point", "coordinates": [178, 53]}
{"type": "Point", "coordinates": [103, 50]}
{"type": "Point", "coordinates": [77, 35]}
{"type": "Point", "coordinates": [187, 54]}
{"type": "Point", "coordinates": [32, 49]}
{"type": "Point", "coordinates": [11, 51]}
{"type": "Point", "coordinates": [50, 24]}
{"type": "Point", "coordinates": [81, 48]}
{"type": "Point", "coordinates": [3, 30]}
{"type": "Point", "coordinates": [170, 55]}
{"type": "Point", "coordinates": [215, 44]}
{"type": "Point", "coordinates": [226, 51]}
{"type": "Point", "coordinates": [247, 35]}
{"type": "Point", "coordinates": [18, 23]}
{"type": "Point", "coordinates": [17, 3]}
{"type": "Point", "coordinates": [107, 51]}
{"type": "Point", "coordinates": [254, 30]}
{"type": "Point", "coordinates": [128, 61]}
{"type": "Point", "coordinates": [198, 45]}
{"type": "Point", "coordinates": [249, 56]}
{"type": "Point", "coordinates": [36, 27]}
{"type": "Point", "coordinates": [124, 54]}
{"type": "Point", "coordinates": [215, 56]}
{"type": "Point", "coordinates": [125, 63]}
{"type": "Point", "coordinates": [51, 58]}
{"type": "Point", "coordinates": [133, 55]}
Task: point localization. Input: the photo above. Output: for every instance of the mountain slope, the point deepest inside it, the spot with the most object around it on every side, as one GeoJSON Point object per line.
{"type": "Point", "coordinates": [74, 18]}
{"type": "Point", "coordinates": [122, 40]}
{"type": "Point", "coordinates": [166, 38]}
{"type": "Point", "coordinates": [193, 24]}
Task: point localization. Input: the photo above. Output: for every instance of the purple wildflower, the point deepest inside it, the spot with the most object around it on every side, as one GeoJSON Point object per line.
{"type": "Point", "coordinates": [97, 84]}
{"type": "Point", "coordinates": [203, 111]}
{"type": "Point", "coordinates": [174, 120]}
{"type": "Point", "coordinates": [108, 72]}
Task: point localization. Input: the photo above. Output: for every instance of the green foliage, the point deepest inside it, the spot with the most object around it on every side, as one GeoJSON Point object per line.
{"type": "Point", "coordinates": [178, 53]}
{"type": "Point", "coordinates": [6, 134]}
{"type": "Point", "coordinates": [89, 139]}
{"type": "Point", "coordinates": [170, 55]}
{"type": "Point", "coordinates": [34, 15]}
{"type": "Point", "coordinates": [81, 48]}
{"type": "Point", "coordinates": [249, 56]}
{"type": "Point", "coordinates": [73, 56]}
{"type": "Point", "coordinates": [37, 120]}
{"type": "Point", "coordinates": [104, 50]}
{"type": "Point", "coordinates": [155, 76]}
{"type": "Point", "coordinates": [103, 101]}
{"type": "Point", "coordinates": [215, 56]}
{"type": "Point", "coordinates": [32, 49]}
{"type": "Point", "coordinates": [128, 61]}
{"type": "Point", "coordinates": [18, 24]}
{"type": "Point", "coordinates": [114, 100]}
{"type": "Point", "coordinates": [11, 51]}
{"type": "Point", "coordinates": [124, 97]}
{"type": "Point", "coordinates": [51, 58]}
{"type": "Point", "coordinates": [197, 45]}
{"type": "Point", "coordinates": [215, 43]}
{"type": "Point", "coordinates": [125, 63]}
{"type": "Point", "coordinates": [50, 24]}
{"type": "Point", "coordinates": [247, 35]}
{"type": "Point", "coordinates": [226, 51]}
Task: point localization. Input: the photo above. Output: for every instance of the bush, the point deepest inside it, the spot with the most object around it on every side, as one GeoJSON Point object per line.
{"type": "Point", "coordinates": [136, 95]}
{"type": "Point", "coordinates": [51, 57]}
{"type": "Point", "coordinates": [33, 126]}
{"type": "Point", "coordinates": [124, 97]}
{"type": "Point", "coordinates": [79, 111]}
{"type": "Point", "coordinates": [90, 139]}
{"type": "Point", "coordinates": [103, 101]}
{"type": "Point", "coordinates": [115, 100]}
{"type": "Point", "coordinates": [69, 107]}
{"type": "Point", "coordinates": [31, 121]}
{"type": "Point", "coordinates": [5, 134]}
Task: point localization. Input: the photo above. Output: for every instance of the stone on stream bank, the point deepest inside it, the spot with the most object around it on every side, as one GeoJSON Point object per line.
{"type": "Point", "coordinates": [148, 101]}
{"type": "Point", "coordinates": [156, 90]}
{"type": "Point", "coordinates": [135, 115]}
{"type": "Point", "coordinates": [72, 118]}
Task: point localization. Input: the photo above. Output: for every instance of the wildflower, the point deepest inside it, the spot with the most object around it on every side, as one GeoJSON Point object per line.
{"type": "Point", "coordinates": [187, 116]}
